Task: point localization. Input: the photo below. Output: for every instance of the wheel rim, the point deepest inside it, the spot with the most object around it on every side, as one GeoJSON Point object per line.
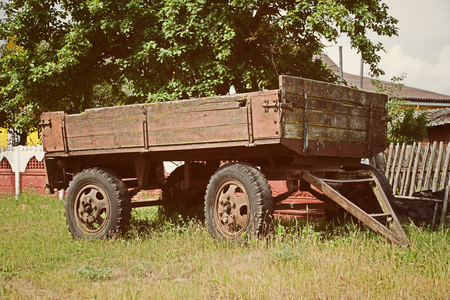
{"type": "Point", "coordinates": [231, 209]}
{"type": "Point", "coordinates": [91, 209]}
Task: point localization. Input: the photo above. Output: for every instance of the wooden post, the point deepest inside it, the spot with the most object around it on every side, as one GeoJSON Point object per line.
{"type": "Point", "coordinates": [414, 171]}
{"type": "Point", "coordinates": [398, 169]}
{"type": "Point", "coordinates": [445, 204]}
{"type": "Point", "coordinates": [391, 180]}
{"type": "Point", "coordinates": [422, 166]}
{"type": "Point", "coordinates": [408, 171]}
{"type": "Point", "coordinates": [426, 184]}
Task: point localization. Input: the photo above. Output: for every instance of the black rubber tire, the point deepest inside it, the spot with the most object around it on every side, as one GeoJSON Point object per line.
{"type": "Point", "coordinates": [255, 215]}
{"type": "Point", "coordinates": [384, 182]}
{"type": "Point", "coordinates": [367, 201]}
{"type": "Point", "coordinates": [97, 205]}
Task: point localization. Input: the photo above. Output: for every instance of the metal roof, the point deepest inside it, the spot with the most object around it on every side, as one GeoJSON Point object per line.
{"type": "Point", "coordinates": [438, 117]}
{"type": "Point", "coordinates": [418, 96]}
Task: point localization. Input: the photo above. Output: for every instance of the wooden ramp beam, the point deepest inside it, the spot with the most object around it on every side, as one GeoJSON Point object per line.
{"type": "Point", "coordinates": [396, 234]}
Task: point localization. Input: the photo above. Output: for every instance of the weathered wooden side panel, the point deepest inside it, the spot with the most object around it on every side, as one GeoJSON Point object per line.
{"type": "Point", "coordinates": [106, 128]}
{"type": "Point", "coordinates": [207, 120]}
{"type": "Point", "coordinates": [332, 115]}
{"type": "Point", "coordinates": [265, 115]}
{"type": "Point", "coordinates": [305, 116]}
{"type": "Point", "coordinates": [323, 90]}
{"type": "Point", "coordinates": [52, 131]}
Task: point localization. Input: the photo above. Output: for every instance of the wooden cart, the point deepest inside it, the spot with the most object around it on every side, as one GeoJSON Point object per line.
{"type": "Point", "coordinates": [308, 133]}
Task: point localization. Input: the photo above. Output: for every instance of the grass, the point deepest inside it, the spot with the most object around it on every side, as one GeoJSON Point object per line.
{"type": "Point", "coordinates": [158, 259]}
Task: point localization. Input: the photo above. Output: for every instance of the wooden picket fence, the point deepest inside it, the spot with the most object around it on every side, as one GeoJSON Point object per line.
{"type": "Point", "coordinates": [420, 167]}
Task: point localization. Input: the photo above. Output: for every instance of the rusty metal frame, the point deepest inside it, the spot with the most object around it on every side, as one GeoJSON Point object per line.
{"type": "Point", "coordinates": [395, 234]}
{"type": "Point", "coordinates": [369, 131]}
{"type": "Point", "coordinates": [145, 128]}
{"type": "Point", "coordinates": [64, 135]}
{"type": "Point", "coordinates": [251, 138]}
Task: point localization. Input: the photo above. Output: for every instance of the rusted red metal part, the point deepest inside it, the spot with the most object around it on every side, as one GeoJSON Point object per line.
{"type": "Point", "coordinates": [300, 205]}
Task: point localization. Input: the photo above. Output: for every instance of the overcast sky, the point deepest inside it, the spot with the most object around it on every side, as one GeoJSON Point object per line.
{"type": "Point", "coordinates": [421, 50]}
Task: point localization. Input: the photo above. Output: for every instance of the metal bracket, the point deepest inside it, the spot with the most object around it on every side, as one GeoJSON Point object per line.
{"type": "Point", "coordinates": [145, 127]}
{"type": "Point", "coordinates": [305, 122]}
{"type": "Point", "coordinates": [369, 131]}
{"type": "Point", "coordinates": [64, 135]}
{"type": "Point", "coordinates": [45, 123]}
{"type": "Point", "coordinates": [251, 139]}
{"type": "Point", "coordinates": [276, 105]}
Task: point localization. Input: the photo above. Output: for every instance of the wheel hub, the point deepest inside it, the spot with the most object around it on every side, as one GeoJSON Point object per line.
{"type": "Point", "coordinates": [232, 208]}
{"type": "Point", "coordinates": [92, 208]}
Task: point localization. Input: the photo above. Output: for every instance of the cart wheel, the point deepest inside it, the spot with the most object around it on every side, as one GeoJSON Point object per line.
{"type": "Point", "coordinates": [188, 203]}
{"type": "Point", "coordinates": [238, 203]}
{"type": "Point", "coordinates": [97, 204]}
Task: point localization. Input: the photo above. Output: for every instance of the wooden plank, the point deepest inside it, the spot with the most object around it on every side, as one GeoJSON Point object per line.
{"type": "Point", "coordinates": [445, 170]}
{"type": "Point", "coordinates": [434, 187]}
{"type": "Point", "coordinates": [159, 138]}
{"type": "Point", "coordinates": [103, 126]}
{"type": "Point", "coordinates": [197, 119]}
{"type": "Point", "coordinates": [437, 169]}
{"type": "Point", "coordinates": [336, 135]}
{"type": "Point", "coordinates": [422, 166]}
{"type": "Point", "coordinates": [412, 150]}
{"type": "Point", "coordinates": [294, 116]}
{"type": "Point", "coordinates": [398, 168]}
{"type": "Point", "coordinates": [426, 183]}
{"type": "Point", "coordinates": [394, 163]}
{"type": "Point", "coordinates": [160, 109]}
{"type": "Point", "coordinates": [110, 141]}
{"type": "Point", "coordinates": [445, 203]}
{"type": "Point", "coordinates": [404, 169]}
{"type": "Point", "coordinates": [325, 134]}
{"type": "Point", "coordinates": [331, 106]}
{"type": "Point", "coordinates": [236, 132]}
{"type": "Point", "coordinates": [336, 120]}
{"type": "Point", "coordinates": [414, 171]}
{"type": "Point", "coordinates": [325, 90]}
{"type": "Point", "coordinates": [389, 158]}
{"type": "Point", "coordinates": [94, 114]}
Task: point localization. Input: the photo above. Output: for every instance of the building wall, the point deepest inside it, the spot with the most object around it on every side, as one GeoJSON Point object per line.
{"type": "Point", "coordinates": [439, 133]}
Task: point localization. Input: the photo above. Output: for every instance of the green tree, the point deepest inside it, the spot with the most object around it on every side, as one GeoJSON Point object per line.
{"type": "Point", "coordinates": [66, 53]}
{"type": "Point", "coordinates": [406, 125]}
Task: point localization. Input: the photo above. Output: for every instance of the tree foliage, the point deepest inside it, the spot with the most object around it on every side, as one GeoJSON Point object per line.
{"type": "Point", "coordinates": [406, 125]}
{"type": "Point", "coordinates": [73, 54]}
